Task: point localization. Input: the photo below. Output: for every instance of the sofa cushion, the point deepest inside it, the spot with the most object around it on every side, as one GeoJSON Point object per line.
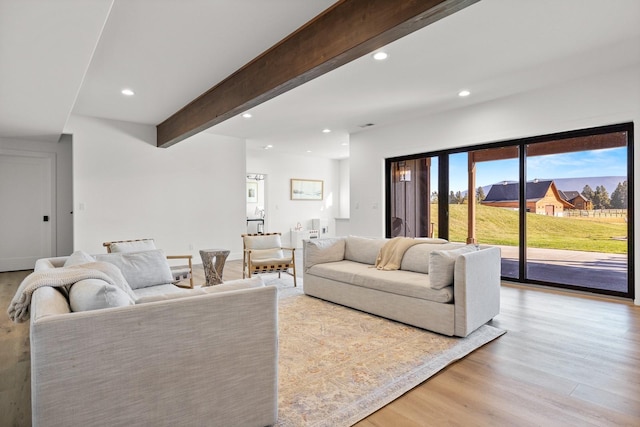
{"type": "Point", "coordinates": [141, 269]}
{"type": "Point", "coordinates": [442, 265]}
{"type": "Point", "coordinates": [319, 251]}
{"type": "Point", "coordinates": [363, 249]}
{"type": "Point", "coordinates": [416, 258]}
{"type": "Point", "coordinates": [407, 283]}
{"type": "Point", "coordinates": [133, 246]}
{"type": "Point", "coordinates": [95, 294]}
{"type": "Point", "coordinates": [148, 295]}
{"type": "Point", "coordinates": [113, 272]}
{"type": "Point", "coordinates": [78, 257]}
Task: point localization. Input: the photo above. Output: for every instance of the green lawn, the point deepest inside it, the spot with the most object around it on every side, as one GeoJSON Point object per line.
{"type": "Point", "coordinates": [498, 226]}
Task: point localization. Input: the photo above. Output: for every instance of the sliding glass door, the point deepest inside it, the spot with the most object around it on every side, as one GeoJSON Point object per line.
{"type": "Point", "coordinates": [559, 206]}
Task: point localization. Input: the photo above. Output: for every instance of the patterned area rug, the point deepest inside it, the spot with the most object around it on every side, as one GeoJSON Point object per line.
{"type": "Point", "coordinates": [339, 365]}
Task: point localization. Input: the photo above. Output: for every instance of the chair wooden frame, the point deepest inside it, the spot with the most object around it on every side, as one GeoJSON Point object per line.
{"type": "Point", "coordinates": [187, 257]}
{"type": "Point", "coordinates": [249, 269]}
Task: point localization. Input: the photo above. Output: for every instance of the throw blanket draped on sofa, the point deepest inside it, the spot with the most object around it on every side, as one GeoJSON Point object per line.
{"type": "Point", "coordinates": [59, 278]}
{"type": "Point", "coordinates": [390, 255]}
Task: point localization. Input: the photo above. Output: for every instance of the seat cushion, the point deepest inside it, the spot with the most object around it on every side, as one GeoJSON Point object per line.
{"type": "Point", "coordinates": [407, 283]}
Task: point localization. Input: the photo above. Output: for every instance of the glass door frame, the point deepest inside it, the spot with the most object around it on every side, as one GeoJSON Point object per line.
{"type": "Point", "coordinates": [443, 193]}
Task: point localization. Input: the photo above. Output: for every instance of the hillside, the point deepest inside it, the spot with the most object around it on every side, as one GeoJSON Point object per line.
{"type": "Point", "coordinates": [500, 227]}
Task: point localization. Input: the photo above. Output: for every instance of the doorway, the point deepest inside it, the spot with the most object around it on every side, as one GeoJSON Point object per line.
{"type": "Point", "coordinates": [27, 218]}
{"type": "Point", "coordinates": [256, 203]}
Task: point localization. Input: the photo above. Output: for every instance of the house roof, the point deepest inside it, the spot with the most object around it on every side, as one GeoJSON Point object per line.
{"type": "Point", "coordinates": [509, 191]}
{"type": "Point", "coordinates": [571, 195]}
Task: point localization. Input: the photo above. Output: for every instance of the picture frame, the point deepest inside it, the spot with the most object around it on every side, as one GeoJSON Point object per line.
{"type": "Point", "coordinates": [252, 192]}
{"type": "Point", "coordinates": [307, 189]}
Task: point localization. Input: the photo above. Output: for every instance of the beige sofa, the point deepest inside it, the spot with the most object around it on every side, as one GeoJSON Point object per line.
{"type": "Point", "coordinates": [461, 293]}
{"type": "Point", "coordinates": [183, 357]}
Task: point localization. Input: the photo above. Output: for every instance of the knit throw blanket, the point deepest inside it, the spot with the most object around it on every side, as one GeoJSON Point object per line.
{"type": "Point", "coordinates": [390, 255]}
{"type": "Point", "coordinates": [60, 278]}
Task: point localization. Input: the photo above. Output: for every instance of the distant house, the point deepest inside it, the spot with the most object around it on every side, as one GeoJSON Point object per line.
{"type": "Point", "coordinates": [543, 197]}
{"type": "Point", "coordinates": [577, 200]}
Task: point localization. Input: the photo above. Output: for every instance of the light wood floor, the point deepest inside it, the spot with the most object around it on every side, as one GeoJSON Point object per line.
{"type": "Point", "coordinates": [566, 360]}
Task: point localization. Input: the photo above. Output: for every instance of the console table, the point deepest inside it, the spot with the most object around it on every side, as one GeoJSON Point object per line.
{"type": "Point", "coordinates": [213, 262]}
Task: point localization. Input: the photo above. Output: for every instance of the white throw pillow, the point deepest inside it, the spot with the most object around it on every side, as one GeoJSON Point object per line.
{"type": "Point", "coordinates": [442, 265]}
{"type": "Point", "coordinates": [112, 272]}
{"type": "Point", "coordinates": [95, 294]}
{"type": "Point", "coordinates": [141, 269]}
{"type": "Point", "coordinates": [78, 257]}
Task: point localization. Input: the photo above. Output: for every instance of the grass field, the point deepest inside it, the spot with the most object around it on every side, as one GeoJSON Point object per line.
{"type": "Point", "coordinates": [498, 226]}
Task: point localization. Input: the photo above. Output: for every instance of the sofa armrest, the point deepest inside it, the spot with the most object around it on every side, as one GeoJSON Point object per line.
{"type": "Point", "coordinates": [476, 289]}
{"type": "Point", "coordinates": [176, 362]}
{"type": "Point", "coordinates": [320, 251]}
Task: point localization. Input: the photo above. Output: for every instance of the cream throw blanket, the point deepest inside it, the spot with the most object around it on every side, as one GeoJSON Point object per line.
{"type": "Point", "coordinates": [56, 277]}
{"type": "Point", "coordinates": [390, 255]}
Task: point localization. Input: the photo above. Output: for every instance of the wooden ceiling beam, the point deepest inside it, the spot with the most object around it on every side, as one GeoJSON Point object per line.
{"type": "Point", "coordinates": [344, 32]}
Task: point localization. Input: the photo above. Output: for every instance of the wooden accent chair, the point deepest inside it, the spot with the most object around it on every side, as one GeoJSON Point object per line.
{"type": "Point", "coordinates": [179, 272]}
{"type": "Point", "coordinates": [263, 253]}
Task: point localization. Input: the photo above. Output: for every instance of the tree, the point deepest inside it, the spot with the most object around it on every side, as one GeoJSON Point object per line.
{"type": "Point", "coordinates": [434, 197]}
{"type": "Point", "coordinates": [619, 196]}
{"type": "Point", "coordinates": [480, 196]}
{"type": "Point", "coordinates": [459, 198]}
{"type": "Point", "coordinates": [601, 198]}
{"type": "Point", "coordinates": [452, 198]}
{"type": "Point", "coordinates": [588, 193]}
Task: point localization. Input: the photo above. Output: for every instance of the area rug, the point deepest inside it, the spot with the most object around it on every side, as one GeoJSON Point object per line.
{"type": "Point", "coordinates": [338, 365]}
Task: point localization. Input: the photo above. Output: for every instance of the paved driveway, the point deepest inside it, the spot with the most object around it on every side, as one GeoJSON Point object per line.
{"type": "Point", "coordinates": [594, 270]}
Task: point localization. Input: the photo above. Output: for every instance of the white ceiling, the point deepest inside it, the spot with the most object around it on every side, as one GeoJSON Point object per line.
{"type": "Point", "coordinates": [74, 56]}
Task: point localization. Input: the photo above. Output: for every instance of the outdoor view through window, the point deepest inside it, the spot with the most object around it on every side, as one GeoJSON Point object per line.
{"type": "Point", "coordinates": [573, 231]}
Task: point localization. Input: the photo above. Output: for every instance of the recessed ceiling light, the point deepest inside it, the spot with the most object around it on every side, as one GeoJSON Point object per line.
{"type": "Point", "coordinates": [464, 93]}
{"type": "Point", "coordinates": [266, 147]}
{"type": "Point", "coordinates": [326, 130]}
{"type": "Point", "coordinates": [345, 143]}
{"type": "Point", "coordinates": [308, 151]}
{"type": "Point", "coordinates": [380, 56]}
{"type": "Point", "coordinates": [247, 115]}
{"type": "Point", "coordinates": [127, 92]}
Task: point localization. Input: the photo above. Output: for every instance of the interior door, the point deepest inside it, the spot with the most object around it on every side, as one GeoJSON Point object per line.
{"type": "Point", "coordinates": [27, 210]}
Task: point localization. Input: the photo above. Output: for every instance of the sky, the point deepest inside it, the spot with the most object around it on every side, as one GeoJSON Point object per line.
{"type": "Point", "coordinates": [608, 162]}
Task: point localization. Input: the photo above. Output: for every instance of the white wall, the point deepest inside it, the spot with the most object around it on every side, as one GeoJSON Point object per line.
{"type": "Point", "coordinates": [282, 213]}
{"type": "Point", "coordinates": [593, 101]}
{"type": "Point", "coordinates": [62, 216]}
{"type": "Point", "coordinates": [187, 197]}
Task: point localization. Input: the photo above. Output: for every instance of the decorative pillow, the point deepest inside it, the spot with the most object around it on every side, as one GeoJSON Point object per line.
{"type": "Point", "coordinates": [94, 294]}
{"type": "Point", "coordinates": [133, 246]}
{"type": "Point", "coordinates": [319, 251]}
{"type": "Point", "coordinates": [363, 249]}
{"type": "Point", "coordinates": [141, 269]}
{"type": "Point", "coordinates": [113, 273]}
{"type": "Point", "coordinates": [78, 257]}
{"type": "Point", "coordinates": [442, 265]}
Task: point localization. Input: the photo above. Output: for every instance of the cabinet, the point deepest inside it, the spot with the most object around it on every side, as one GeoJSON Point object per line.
{"type": "Point", "coordinates": [297, 236]}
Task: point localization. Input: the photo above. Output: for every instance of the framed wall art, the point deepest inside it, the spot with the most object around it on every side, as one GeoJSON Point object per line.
{"type": "Point", "coordinates": [252, 192]}
{"type": "Point", "coordinates": [306, 189]}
